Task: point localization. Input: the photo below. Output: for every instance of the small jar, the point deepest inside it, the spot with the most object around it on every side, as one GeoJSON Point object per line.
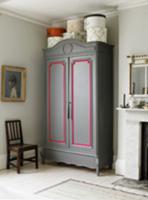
{"type": "Point", "coordinates": [132, 102]}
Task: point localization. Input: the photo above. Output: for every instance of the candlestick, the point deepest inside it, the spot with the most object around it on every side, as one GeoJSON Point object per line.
{"type": "Point", "coordinates": [124, 100]}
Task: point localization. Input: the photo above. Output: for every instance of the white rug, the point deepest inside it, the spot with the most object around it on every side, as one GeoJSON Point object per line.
{"type": "Point", "coordinates": [77, 190]}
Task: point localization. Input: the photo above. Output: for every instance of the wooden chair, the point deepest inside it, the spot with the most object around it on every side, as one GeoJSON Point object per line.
{"type": "Point", "coordinates": [16, 146]}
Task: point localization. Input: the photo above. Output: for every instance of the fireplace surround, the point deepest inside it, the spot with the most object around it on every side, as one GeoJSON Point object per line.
{"type": "Point", "coordinates": [130, 157]}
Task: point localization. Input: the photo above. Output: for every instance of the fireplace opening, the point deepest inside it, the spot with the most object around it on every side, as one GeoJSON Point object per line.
{"type": "Point", "coordinates": [144, 151]}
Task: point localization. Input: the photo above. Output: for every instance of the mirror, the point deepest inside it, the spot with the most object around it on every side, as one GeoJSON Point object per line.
{"type": "Point", "coordinates": [137, 80]}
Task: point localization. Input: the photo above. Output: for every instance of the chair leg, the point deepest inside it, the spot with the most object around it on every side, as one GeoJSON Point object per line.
{"type": "Point", "coordinates": [22, 157]}
{"type": "Point", "coordinates": [36, 158]}
{"type": "Point", "coordinates": [8, 159]}
{"type": "Point", "coordinates": [18, 161]}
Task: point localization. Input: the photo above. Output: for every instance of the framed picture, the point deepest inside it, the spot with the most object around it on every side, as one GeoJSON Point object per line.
{"type": "Point", "coordinates": [13, 84]}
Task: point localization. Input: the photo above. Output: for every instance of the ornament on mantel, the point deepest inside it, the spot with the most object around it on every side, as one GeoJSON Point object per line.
{"type": "Point", "coordinates": [132, 102]}
{"type": "Point", "coordinates": [124, 105]}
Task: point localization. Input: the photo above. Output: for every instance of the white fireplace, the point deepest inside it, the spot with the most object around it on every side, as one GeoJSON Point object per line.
{"type": "Point", "coordinates": [128, 161]}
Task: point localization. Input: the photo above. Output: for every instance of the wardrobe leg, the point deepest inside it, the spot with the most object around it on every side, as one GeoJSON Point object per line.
{"type": "Point", "coordinates": [97, 167]}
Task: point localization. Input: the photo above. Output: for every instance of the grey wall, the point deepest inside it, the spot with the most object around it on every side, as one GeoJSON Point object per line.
{"type": "Point", "coordinates": [133, 39]}
{"type": "Point", "coordinates": [21, 44]}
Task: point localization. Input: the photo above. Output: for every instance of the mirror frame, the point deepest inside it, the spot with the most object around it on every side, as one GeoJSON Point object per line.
{"type": "Point", "coordinates": [142, 61]}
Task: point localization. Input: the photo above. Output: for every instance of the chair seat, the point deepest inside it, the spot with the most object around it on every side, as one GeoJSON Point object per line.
{"type": "Point", "coordinates": [23, 147]}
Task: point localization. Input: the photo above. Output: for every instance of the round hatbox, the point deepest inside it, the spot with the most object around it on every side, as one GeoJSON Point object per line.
{"type": "Point", "coordinates": [75, 25]}
{"type": "Point", "coordinates": [55, 32]}
{"type": "Point", "coordinates": [94, 20]}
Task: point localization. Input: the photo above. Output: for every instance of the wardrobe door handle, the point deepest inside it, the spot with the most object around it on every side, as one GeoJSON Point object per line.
{"type": "Point", "coordinates": [69, 110]}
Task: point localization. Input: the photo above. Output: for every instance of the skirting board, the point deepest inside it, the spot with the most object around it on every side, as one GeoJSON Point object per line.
{"type": "Point", "coordinates": [3, 161]}
{"type": "Point", "coordinates": [114, 161]}
{"type": "Point", "coordinates": [120, 167]}
{"type": "Point", "coordinates": [116, 166]}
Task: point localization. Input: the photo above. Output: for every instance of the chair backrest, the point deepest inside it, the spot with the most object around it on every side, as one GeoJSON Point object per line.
{"type": "Point", "coordinates": [14, 133]}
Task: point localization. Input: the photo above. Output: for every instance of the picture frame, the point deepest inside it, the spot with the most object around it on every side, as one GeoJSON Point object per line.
{"type": "Point", "coordinates": [13, 87]}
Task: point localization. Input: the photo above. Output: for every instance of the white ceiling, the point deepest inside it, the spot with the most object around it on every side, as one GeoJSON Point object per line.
{"type": "Point", "coordinates": [46, 11]}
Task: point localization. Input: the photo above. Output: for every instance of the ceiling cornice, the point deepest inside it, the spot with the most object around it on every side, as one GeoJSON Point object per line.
{"type": "Point", "coordinates": [128, 4]}
{"type": "Point", "coordinates": [22, 17]}
{"type": "Point", "coordinates": [109, 12]}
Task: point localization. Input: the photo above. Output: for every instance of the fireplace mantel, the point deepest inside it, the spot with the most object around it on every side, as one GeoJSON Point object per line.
{"type": "Point", "coordinates": [129, 139]}
{"type": "Point", "coordinates": [132, 109]}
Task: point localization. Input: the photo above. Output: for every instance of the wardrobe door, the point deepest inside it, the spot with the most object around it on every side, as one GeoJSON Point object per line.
{"type": "Point", "coordinates": [56, 102]}
{"type": "Point", "coordinates": [80, 98]}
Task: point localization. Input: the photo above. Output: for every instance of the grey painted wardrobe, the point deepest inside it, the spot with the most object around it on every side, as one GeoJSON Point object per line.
{"type": "Point", "coordinates": [79, 121]}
